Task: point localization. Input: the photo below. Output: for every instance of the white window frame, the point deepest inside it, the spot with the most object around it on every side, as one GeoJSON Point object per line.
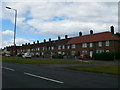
{"type": "Point", "coordinates": [73, 53]}
{"type": "Point", "coordinates": [63, 46]}
{"type": "Point", "coordinates": [59, 47]}
{"type": "Point", "coordinates": [107, 43]}
{"type": "Point", "coordinates": [91, 44]}
{"type": "Point", "coordinates": [68, 46]}
{"type": "Point", "coordinates": [100, 44]}
{"type": "Point", "coordinates": [107, 50]}
{"type": "Point", "coordinates": [84, 52]}
{"type": "Point", "coordinates": [73, 46]}
{"type": "Point", "coordinates": [52, 48]}
{"type": "Point", "coordinates": [59, 52]}
{"type": "Point", "coordinates": [84, 45]}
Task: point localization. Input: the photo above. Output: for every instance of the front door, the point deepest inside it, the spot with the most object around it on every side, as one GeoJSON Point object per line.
{"type": "Point", "coordinates": [91, 53]}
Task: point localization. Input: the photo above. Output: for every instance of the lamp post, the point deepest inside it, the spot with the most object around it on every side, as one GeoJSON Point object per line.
{"type": "Point", "coordinates": [14, 50]}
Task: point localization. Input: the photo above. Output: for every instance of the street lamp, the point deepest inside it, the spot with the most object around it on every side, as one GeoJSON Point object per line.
{"type": "Point", "coordinates": [14, 50]}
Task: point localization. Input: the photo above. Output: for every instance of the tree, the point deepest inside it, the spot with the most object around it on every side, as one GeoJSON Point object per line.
{"type": "Point", "coordinates": [118, 34]}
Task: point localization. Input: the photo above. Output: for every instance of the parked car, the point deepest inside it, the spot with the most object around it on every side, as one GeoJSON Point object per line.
{"type": "Point", "coordinates": [83, 56]}
{"type": "Point", "coordinates": [27, 55]}
{"type": "Point", "coordinates": [20, 54]}
{"type": "Point", "coordinates": [8, 55]}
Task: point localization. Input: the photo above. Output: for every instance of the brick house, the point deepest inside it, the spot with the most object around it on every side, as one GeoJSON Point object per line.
{"type": "Point", "coordinates": [75, 46]}
{"type": "Point", "coordinates": [94, 43]}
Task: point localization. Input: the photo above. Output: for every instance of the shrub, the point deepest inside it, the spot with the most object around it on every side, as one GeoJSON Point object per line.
{"type": "Point", "coordinates": [106, 56]}
{"type": "Point", "coordinates": [58, 56]}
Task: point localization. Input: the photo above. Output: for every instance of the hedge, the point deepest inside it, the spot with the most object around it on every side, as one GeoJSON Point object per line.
{"type": "Point", "coordinates": [107, 56]}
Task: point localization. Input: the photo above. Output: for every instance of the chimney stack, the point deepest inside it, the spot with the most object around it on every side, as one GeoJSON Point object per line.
{"type": "Point", "coordinates": [44, 40]}
{"type": "Point", "coordinates": [66, 36]}
{"type": "Point", "coordinates": [112, 29]}
{"type": "Point", "coordinates": [26, 44]}
{"type": "Point", "coordinates": [80, 33]}
{"type": "Point", "coordinates": [34, 42]}
{"type": "Point", "coordinates": [58, 37]}
{"type": "Point", "coordinates": [49, 39]}
{"type": "Point", "coordinates": [91, 32]}
{"type": "Point", "coordinates": [37, 41]}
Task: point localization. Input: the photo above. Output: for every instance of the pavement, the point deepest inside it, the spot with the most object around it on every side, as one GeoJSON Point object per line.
{"type": "Point", "coordinates": [16, 75]}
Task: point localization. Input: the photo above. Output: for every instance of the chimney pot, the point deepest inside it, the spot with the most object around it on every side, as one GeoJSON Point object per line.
{"type": "Point", "coordinates": [80, 33]}
{"type": "Point", "coordinates": [37, 41]}
{"type": "Point", "coordinates": [34, 42]}
{"type": "Point", "coordinates": [66, 36]}
{"type": "Point", "coordinates": [91, 31]}
{"type": "Point", "coordinates": [112, 29]}
{"type": "Point", "coordinates": [58, 37]}
{"type": "Point", "coordinates": [44, 40]}
{"type": "Point", "coordinates": [49, 39]}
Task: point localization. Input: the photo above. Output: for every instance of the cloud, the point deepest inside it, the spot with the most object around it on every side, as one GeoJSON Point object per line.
{"type": "Point", "coordinates": [77, 14]}
{"type": "Point", "coordinates": [19, 41]}
{"type": "Point", "coordinates": [8, 32]}
{"type": "Point", "coordinates": [39, 17]}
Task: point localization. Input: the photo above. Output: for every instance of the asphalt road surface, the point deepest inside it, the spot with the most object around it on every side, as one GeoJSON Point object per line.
{"type": "Point", "coordinates": [15, 75]}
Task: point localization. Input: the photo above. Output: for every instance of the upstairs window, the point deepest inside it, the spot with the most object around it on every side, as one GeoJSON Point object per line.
{"type": "Point", "coordinates": [59, 47]}
{"type": "Point", "coordinates": [91, 44]}
{"type": "Point", "coordinates": [52, 47]}
{"type": "Point", "coordinates": [107, 43]}
{"type": "Point", "coordinates": [68, 47]}
{"type": "Point", "coordinates": [73, 46]}
{"type": "Point", "coordinates": [63, 47]}
{"type": "Point", "coordinates": [84, 45]}
{"type": "Point", "coordinates": [100, 44]}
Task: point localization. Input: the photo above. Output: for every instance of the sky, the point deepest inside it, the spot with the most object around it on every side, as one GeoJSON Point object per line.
{"type": "Point", "coordinates": [44, 20]}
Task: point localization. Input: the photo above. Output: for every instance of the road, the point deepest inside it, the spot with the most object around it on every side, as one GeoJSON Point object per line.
{"type": "Point", "coordinates": [15, 75]}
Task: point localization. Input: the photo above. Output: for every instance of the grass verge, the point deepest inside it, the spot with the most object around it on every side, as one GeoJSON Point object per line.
{"type": "Point", "coordinates": [21, 60]}
{"type": "Point", "coordinates": [111, 69]}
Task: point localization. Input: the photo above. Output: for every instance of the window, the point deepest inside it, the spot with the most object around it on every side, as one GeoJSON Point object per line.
{"type": "Point", "coordinates": [42, 53]}
{"type": "Point", "coordinates": [63, 47]}
{"type": "Point", "coordinates": [73, 46]}
{"type": "Point", "coordinates": [63, 53]}
{"type": "Point", "coordinates": [37, 54]}
{"type": "Point", "coordinates": [52, 47]}
{"type": "Point", "coordinates": [99, 44]}
{"type": "Point", "coordinates": [43, 48]}
{"type": "Point", "coordinates": [59, 52]}
{"type": "Point", "coordinates": [84, 45]}
{"type": "Point", "coordinates": [48, 48]}
{"type": "Point", "coordinates": [59, 47]}
{"type": "Point", "coordinates": [68, 47]}
{"type": "Point", "coordinates": [99, 51]}
{"type": "Point", "coordinates": [107, 43]}
{"type": "Point", "coordinates": [91, 44]}
{"type": "Point", "coordinates": [107, 50]}
{"type": "Point", "coordinates": [28, 49]}
{"type": "Point", "coordinates": [72, 53]}
{"type": "Point", "coordinates": [84, 52]}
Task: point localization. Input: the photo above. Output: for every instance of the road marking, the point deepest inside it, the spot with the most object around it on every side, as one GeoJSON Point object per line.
{"type": "Point", "coordinates": [8, 68]}
{"type": "Point", "coordinates": [43, 78]}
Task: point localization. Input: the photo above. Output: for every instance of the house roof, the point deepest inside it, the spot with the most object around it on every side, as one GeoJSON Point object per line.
{"type": "Point", "coordinates": [104, 36]}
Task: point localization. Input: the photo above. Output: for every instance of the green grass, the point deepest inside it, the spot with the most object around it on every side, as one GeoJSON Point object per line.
{"type": "Point", "coordinates": [44, 61]}
{"type": "Point", "coordinates": [109, 69]}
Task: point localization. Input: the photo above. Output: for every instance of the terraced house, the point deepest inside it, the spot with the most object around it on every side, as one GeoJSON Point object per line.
{"type": "Point", "coordinates": [75, 46]}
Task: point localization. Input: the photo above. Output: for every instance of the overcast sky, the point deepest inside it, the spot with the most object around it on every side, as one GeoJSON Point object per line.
{"type": "Point", "coordinates": [44, 20]}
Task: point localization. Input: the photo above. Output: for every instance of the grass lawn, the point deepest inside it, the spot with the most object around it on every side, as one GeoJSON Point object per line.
{"type": "Point", "coordinates": [109, 69]}
{"type": "Point", "coordinates": [22, 60]}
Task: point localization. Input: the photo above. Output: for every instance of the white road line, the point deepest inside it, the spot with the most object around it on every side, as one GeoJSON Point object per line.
{"type": "Point", "coordinates": [8, 68]}
{"type": "Point", "coordinates": [43, 78]}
